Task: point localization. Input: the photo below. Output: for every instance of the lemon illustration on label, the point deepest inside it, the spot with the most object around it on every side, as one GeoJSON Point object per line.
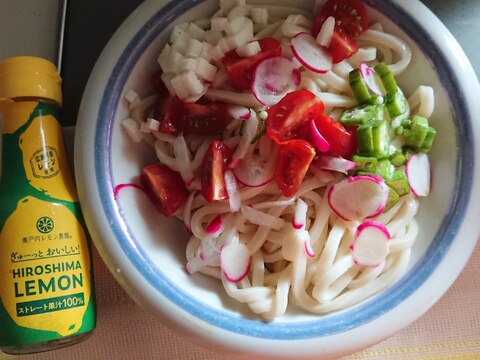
{"type": "Point", "coordinates": [45, 170]}
{"type": "Point", "coordinates": [45, 285]}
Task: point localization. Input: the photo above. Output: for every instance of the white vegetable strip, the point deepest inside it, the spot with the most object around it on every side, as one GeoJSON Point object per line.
{"type": "Point", "coordinates": [187, 211]}
{"type": "Point", "coordinates": [232, 190]}
{"type": "Point", "coordinates": [183, 156]}
{"type": "Point", "coordinates": [324, 36]}
{"type": "Point", "coordinates": [132, 129]}
{"type": "Point", "coordinates": [164, 157]}
{"type": "Point", "coordinates": [249, 133]}
{"type": "Point", "coordinates": [300, 214]}
{"type": "Point", "coordinates": [270, 204]}
{"type": "Point", "coordinates": [263, 219]}
{"type": "Point", "coordinates": [236, 98]}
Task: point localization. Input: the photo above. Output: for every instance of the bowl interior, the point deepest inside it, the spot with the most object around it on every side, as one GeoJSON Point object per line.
{"type": "Point", "coordinates": [156, 245]}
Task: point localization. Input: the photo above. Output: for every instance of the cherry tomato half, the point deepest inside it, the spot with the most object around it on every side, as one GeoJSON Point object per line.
{"type": "Point", "coordinates": [342, 46]}
{"type": "Point", "coordinates": [287, 119]}
{"type": "Point", "coordinates": [200, 118]}
{"type": "Point", "coordinates": [240, 69]}
{"type": "Point", "coordinates": [164, 187]}
{"type": "Point", "coordinates": [350, 17]}
{"type": "Point", "coordinates": [342, 142]}
{"type": "Point", "coordinates": [213, 170]}
{"type": "Point", "coordinates": [291, 165]}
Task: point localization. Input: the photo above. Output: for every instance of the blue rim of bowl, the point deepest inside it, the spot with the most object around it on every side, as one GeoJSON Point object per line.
{"type": "Point", "coordinates": [334, 323]}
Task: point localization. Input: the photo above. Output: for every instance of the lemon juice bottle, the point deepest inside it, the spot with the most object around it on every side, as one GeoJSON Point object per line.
{"type": "Point", "coordinates": [46, 284]}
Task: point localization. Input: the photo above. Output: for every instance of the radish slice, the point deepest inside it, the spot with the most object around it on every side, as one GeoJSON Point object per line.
{"type": "Point", "coordinates": [255, 170]}
{"type": "Point", "coordinates": [235, 261]}
{"type": "Point", "coordinates": [358, 197]}
{"type": "Point", "coordinates": [273, 78]}
{"type": "Point", "coordinates": [370, 246]}
{"type": "Point", "coordinates": [215, 226]}
{"type": "Point", "coordinates": [310, 53]}
{"type": "Point", "coordinates": [418, 173]}
{"type": "Point", "coordinates": [371, 78]}
{"type": "Point", "coordinates": [308, 247]}
{"type": "Point", "coordinates": [319, 141]}
{"type": "Point", "coordinates": [295, 246]}
{"type": "Point", "coordinates": [300, 214]}
{"type": "Point", "coordinates": [263, 219]}
{"type": "Point", "coordinates": [120, 187]}
{"type": "Point", "coordinates": [327, 162]}
{"type": "Point", "coordinates": [239, 112]}
{"type": "Point", "coordinates": [232, 190]}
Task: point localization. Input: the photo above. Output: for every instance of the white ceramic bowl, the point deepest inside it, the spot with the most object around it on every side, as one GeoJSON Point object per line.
{"type": "Point", "coordinates": [146, 254]}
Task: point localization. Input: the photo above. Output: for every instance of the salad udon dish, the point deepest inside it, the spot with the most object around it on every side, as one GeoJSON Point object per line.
{"type": "Point", "coordinates": [301, 222]}
{"type": "Point", "coordinates": [289, 150]}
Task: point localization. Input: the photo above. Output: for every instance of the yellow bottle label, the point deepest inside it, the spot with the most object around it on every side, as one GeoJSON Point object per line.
{"type": "Point", "coordinates": [45, 170]}
{"type": "Point", "coordinates": [48, 269]}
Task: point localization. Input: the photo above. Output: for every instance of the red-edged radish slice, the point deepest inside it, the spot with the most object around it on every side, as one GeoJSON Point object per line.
{"type": "Point", "coordinates": [300, 215]}
{"type": "Point", "coordinates": [273, 78]}
{"type": "Point", "coordinates": [120, 187]}
{"type": "Point", "coordinates": [239, 112]}
{"type": "Point", "coordinates": [333, 163]}
{"type": "Point", "coordinates": [262, 219]}
{"type": "Point", "coordinates": [235, 261]}
{"type": "Point", "coordinates": [232, 191]}
{"type": "Point", "coordinates": [371, 78]}
{"type": "Point", "coordinates": [297, 245]}
{"type": "Point", "coordinates": [370, 246]}
{"type": "Point", "coordinates": [310, 53]}
{"type": "Point", "coordinates": [308, 249]}
{"type": "Point", "coordinates": [418, 174]}
{"type": "Point", "coordinates": [321, 144]}
{"type": "Point", "coordinates": [304, 236]}
{"type": "Point", "coordinates": [215, 226]}
{"type": "Point", "coordinates": [358, 197]}
{"type": "Point", "coordinates": [255, 171]}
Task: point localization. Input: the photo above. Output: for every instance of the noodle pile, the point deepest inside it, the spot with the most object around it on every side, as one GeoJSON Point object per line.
{"type": "Point", "coordinates": [281, 270]}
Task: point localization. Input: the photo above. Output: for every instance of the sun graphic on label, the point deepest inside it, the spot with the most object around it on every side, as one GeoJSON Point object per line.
{"type": "Point", "coordinates": [44, 224]}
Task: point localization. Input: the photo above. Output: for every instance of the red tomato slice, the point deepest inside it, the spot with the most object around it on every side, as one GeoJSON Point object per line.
{"type": "Point", "coordinates": [342, 142]}
{"type": "Point", "coordinates": [287, 119]}
{"type": "Point", "coordinates": [240, 69]}
{"type": "Point", "coordinates": [213, 170]}
{"type": "Point", "coordinates": [342, 46]}
{"type": "Point", "coordinates": [350, 16]}
{"type": "Point", "coordinates": [201, 118]}
{"type": "Point", "coordinates": [164, 187]}
{"type": "Point", "coordinates": [293, 159]}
